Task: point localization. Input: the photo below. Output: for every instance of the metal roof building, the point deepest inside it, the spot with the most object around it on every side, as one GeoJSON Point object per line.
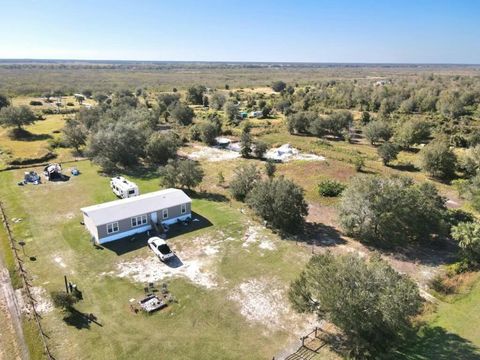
{"type": "Point", "coordinates": [125, 217]}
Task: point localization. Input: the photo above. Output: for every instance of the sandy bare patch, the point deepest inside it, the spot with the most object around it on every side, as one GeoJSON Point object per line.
{"type": "Point", "coordinates": [151, 269]}
{"type": "Point", "coordinates": [43, 303]}
{"type": "Point", "coordinates": [260, 302]}
{"type": "Point", "coordinates": [59, 261]}
{"type": "Point", "coordinates": [253, 235]}
{"type": "Point", "coordinates": [265, 301]}
{"type": "Point", "coordinates": [195, 262]}
{"type": "Point", "coordinates": [212, 154]}
{"type": "Point", "coordinates": [211, 250]}
{"type": "Point", "coordinates": [288, 153]}
{"type": "Point", "coordinates": [267, 245]}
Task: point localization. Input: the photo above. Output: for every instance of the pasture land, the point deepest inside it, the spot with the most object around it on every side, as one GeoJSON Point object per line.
{"type": "Point", "coordinates": [233, 274]}
{"type": "Point", "coordinates": [231, 293]}
{"type": "Point", "coordinates": [37, 78]}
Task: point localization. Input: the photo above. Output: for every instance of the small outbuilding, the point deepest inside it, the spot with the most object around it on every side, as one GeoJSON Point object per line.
{"type": "Point", "coordinates": [125, 217]}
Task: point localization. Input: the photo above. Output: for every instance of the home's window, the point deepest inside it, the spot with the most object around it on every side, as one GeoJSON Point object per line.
{"type": "Point", "coordinates": [112, 228]}
{"type": "Point", "coordinates": [139, 220]}
{"type": "Point", "coordinates": [183, 208]}
{"type": "Point", "coordinates": [165, 213]}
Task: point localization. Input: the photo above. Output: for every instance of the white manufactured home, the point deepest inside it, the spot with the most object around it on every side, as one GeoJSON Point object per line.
{"type": "Point", "coordinates": [125, 217]}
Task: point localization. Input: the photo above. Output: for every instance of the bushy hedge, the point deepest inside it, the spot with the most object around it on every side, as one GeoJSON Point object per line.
{"type": "Point", "coordinates": [330, 188]}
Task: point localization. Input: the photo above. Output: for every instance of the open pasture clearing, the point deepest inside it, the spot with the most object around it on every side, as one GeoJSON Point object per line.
{"type": "Point", "coordinates": [223, 266]}
{"type": "Point", "coordinates": [208, 320]}
{"type": "Point", "coordinates": [221, 291]}
{"type": "Point", "coordinates": [36, 146]}
{"type": "Point", "coordinates": [37, 78]}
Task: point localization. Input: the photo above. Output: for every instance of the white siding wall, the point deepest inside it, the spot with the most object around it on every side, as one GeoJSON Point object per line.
{"type": "Point", "coordinates": [90, 226]}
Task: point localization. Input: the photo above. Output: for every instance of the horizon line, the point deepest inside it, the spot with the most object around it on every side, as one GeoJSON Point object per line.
{"type": "Point", "coordinates": [238, 61]}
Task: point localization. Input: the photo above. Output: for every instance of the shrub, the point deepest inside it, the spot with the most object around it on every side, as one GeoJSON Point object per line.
{"type": "Point", "coordinates": [438, 160]}
{"type": "Point", "coordinates": [13, 116]}
{"type": "Point", "coordinates": [458, 267]}
{"type": "Point", "coordinates": [161, 147]}
{"type": "Point", "coordinates": [74, 134]}
{"type": "Point", "coordinates": [392, 210]}
{"type": "Point", "coordinates": [63, 300]}
{"type": "Point", "coordinates": [441, 286]}
{"type": "Point", "coordinates": [56, 143]}
{"type": "Point", "coordinates": [468, 236]}
{"type": "Point", "coordinates": [36, 103]}
{"type": "Point", "coordinates": [195, 133]}
{"type": "Point", "coordinates": [387, 152]}
{"type": "Point", "coordinates": [278, 86]}
{"type": "Point", "coordinates": [270, 168]}
{"type": "Point", "coordinates": [183, 173]}
{"type": "Point", "coordinates": [280, 202]}
{"type": "Point", "coordinates": [358, 162]}
{"type": "Point", "coordinates": [208, 133]}
{"type": "Point", "coordinates": [330, 188]}
{"type": "Point", "coordinates": [377, 130]}
{"type": "Point", "coordinates": [369, 301]}
{"type": "Point", "coordinates": [412, 132]}
{"type": "Point", "coordinates": [259, 149]}
{"type": "Point", "coordinates": [243, 181]}
{"type": "Point", "coordinates": [182, 114]}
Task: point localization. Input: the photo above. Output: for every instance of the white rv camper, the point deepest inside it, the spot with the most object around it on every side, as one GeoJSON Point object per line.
{"type": "Point", "coordinates": [123, 188]}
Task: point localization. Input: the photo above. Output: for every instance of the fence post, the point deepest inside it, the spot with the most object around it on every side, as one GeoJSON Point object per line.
{"type": "Point", "coordinates": [23, 274]}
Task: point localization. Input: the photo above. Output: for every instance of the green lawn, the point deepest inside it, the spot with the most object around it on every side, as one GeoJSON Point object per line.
{"type": "Point", "coordinates": [204, 324]}
{"type": "Point", "coordinates": [36, 147]}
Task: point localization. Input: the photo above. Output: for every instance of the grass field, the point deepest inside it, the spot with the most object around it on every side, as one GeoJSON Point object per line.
{"type": "Point", "coordinates": [37, 146]}
{"type": "Point", "coordinates": [33, 79]}
{"type": "Point", "coordinates": [206, 323]}
{"type": "Point", "coordinates": [451, 332]}
{"type": "Point", "coordinates": [231, 290]}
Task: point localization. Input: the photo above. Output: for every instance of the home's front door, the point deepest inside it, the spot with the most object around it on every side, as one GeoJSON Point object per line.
{"type": "Point", "coordinates": [154, 217]}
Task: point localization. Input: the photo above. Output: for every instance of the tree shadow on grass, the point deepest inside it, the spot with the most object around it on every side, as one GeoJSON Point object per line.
{"type": "Point", "coordinates": [142, 172]}
{"type": "Point", "coordinates": [436, 343]}
{"type": "Point", "coordinates": [319, 234]}
{"type": "Point", "coordinates": [25, 135]}
{"type": "Point", "coordinates": [207, 196]}
{"type": "Point", "coordinates": [405, 167]}
{"type": "Point", "coordinates": [368, 172]}
{"type": "Point", "coordinates": [434, 253]}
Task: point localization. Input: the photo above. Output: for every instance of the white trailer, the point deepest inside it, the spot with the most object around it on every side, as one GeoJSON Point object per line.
{"type": "Point", "coordinates": [123, 188]}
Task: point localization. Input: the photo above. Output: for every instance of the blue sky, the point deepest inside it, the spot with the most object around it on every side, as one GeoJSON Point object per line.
{"type": "Point", "coordinates": [422, 31]}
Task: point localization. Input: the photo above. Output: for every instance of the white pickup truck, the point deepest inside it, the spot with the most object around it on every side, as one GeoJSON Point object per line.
{"type": "Point", "coordinates": [160, 248]}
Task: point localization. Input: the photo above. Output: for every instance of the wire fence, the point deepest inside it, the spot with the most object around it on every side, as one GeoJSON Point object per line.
{"type": "Point", "coordinates": [26, 285]}
{"type": "Point", "coordinates": [39, 164]}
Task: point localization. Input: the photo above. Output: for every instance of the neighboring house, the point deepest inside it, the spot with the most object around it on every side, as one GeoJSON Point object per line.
{"type": "Point", "coordinates": [381, 83]}
{"type": "Point", "coordinates": [256, 114]}
{"type": "Point", "coordinates": [125, 217]}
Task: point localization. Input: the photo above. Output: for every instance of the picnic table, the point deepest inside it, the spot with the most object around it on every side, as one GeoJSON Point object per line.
{"type": "Point", "coordinates": [152, 303]}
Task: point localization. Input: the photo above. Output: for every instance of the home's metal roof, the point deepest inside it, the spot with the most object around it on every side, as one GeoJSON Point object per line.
{"type": "Point", "coordinates": [143, 204]}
